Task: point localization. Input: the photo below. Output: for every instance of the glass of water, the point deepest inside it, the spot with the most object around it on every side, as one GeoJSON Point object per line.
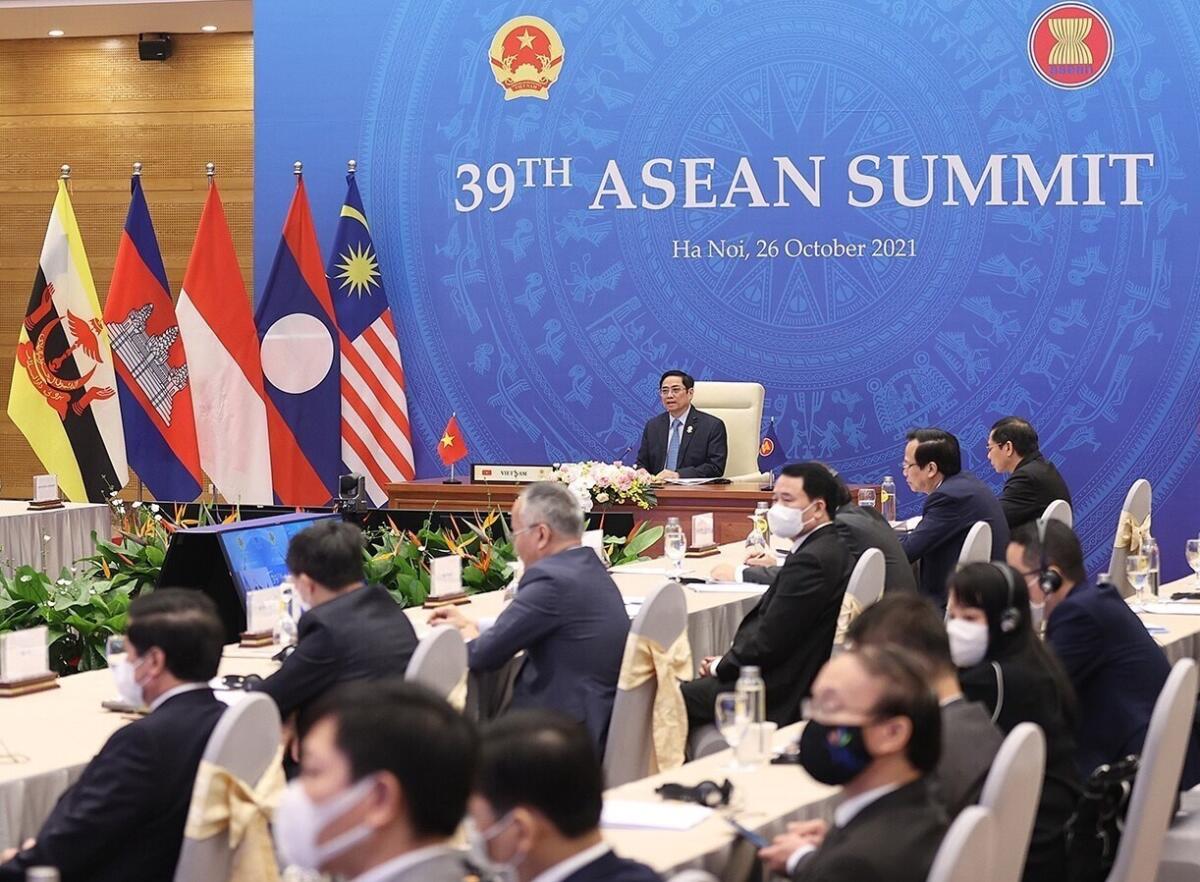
{"type": "Point", "coordinates": [732, 713]}
{"type": "Point", "coordinates": [675, 547]}
{"type": "Point", "coordinates": [866, 497]}
{"type": "Point", "coordinates": [1137, 568]}
{"type": "Point", "coordinates": [1192, 549]}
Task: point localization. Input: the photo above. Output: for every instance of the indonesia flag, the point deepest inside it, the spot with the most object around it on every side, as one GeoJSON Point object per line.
{"type": "Point", "coordinates": [152, 372]}
{"type": "Point", "coordinates": [299, 341]}
{"type": "Point", "coordinates": [376, 438]}
{"type": "Point", "coordinates": [222, 352]}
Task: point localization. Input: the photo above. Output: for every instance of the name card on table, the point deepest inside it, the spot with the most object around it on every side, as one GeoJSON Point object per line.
{"type": "Point", "coordinates": [702, 530]}
{"type": "Point", "coordinates": [263, 609]}
{"type": "Point", "coordinates": [24, 655]}
{"type": "Point", "coordinates": [594, 539]}
{"type": "Point", "coordinates": [45, 488]}
{"type": "Point", "coordinates": [445, 576]}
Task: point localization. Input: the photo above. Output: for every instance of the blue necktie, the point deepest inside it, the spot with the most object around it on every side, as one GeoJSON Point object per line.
{"type": "Point", "coordinates": [673, 446]}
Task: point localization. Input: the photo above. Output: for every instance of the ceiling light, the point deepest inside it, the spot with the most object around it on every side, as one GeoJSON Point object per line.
{"type": "Point", "coordinates": [209, 29]}
{"type": "Point", "coordinates": [57, 33]}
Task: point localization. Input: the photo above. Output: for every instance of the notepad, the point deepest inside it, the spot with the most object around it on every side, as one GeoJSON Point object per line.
{"type": "Point", "coordinates": [630, 813]}
{"type": "Point", "coordinates": [729, 587]}
{"type": "Point", "coordinates": [1173, 609]}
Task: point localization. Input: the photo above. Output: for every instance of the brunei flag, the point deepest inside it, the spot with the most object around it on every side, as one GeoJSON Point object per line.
{"type": "Point", "coordinates": [64, 389]}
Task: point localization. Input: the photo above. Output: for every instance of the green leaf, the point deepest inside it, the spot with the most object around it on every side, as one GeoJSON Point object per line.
{"type": "Point", "coordinates": [643, 540]}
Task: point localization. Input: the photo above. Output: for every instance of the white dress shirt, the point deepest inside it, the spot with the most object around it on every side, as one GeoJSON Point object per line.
{"type": "Point", "coordinates": [578, 861]}
{"type": "Point", "coordinates": [409, 859]}
{"type": "Point", "coordinates": [178, 690]}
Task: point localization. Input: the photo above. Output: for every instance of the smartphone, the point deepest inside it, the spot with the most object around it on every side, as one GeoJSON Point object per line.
{"type": "Point", "coordinates": [749, 835]}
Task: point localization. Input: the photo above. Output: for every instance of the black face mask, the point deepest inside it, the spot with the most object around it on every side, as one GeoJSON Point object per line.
{"type": "Point", "coordinates": [833, 755]}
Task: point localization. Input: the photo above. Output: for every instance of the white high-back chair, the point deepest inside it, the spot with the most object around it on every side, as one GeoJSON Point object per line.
{"type": "Point", "coordinates": [1152, 801]}
{"type": "Point", "coordinates": [968, 850]}
{"type": "Point", "coordinates": [1058, 510]}
{"type": "Point", "coordinates": [977, 547]}
{"type": "Point", "coordinates": [1136, 509]}
{"type": "Point", "coordinates": [244, 743]}
{"type": "Point", "coordinates": [439, 661]}
{"type": "Point", "coordinates": [627, 754]}
{"type": "Point", "coordinates": [864, 588]}
{"type": "Point", "coordinates": [1011, 794]}
{"type": "Point", "coordinates": [739, 406]}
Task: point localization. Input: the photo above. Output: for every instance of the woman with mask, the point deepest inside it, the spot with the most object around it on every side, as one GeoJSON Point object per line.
{"type": "Point", "coordinates": [1004, 665]}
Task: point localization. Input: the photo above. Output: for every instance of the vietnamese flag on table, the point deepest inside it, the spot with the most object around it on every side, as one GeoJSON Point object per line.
{"type": "Point", "coordinates": [452, 446]}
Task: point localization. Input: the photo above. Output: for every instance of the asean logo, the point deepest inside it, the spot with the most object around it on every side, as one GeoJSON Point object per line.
{"type": "Point", "coordinates": [1070, 45]}
{"type": "Point", "coordinates": [766, 448]}
{"type": "Point", "coordinates": [526, 56]}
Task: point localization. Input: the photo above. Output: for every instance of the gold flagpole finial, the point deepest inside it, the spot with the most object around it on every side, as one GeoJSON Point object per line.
{"type": "Point", "coordinates": [352, 166]}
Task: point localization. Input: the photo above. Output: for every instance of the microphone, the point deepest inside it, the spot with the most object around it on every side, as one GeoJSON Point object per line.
{"type": "Point", "coordinates": [624, 452]}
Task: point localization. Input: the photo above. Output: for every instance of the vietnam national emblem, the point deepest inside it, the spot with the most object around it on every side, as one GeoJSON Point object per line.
{"type": "Point", "coordinates": [526, 57]}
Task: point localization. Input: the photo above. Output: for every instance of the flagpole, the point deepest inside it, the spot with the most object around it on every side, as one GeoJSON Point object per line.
{"type": "Point", "coordinates": [298, 168]}
{"type": "Point", "coordinates": [210, 170]}
{"type": "Point", "coordinates": [137, 169]}
{"type": "Point", "coordinates": [64, 172]}
{"type": "Point", "coordinates": [352, 166]}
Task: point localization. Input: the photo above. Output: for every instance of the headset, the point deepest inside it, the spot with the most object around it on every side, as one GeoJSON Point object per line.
{"type": "Point", "coordinates": [1048, 580]}
{"type": "Point", "coordinates": [708, 793]}
{"type": "Point", "coordinates": [1011, 616]}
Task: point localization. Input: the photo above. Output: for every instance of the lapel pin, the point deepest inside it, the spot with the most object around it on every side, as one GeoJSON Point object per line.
{"type": "Point", "coordinates": [689, 429]}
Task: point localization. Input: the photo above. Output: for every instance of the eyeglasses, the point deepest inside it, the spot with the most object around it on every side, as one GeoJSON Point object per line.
{"type": "Point", "coordinates": [671, 390]}
{"type": "Point", "coordinates": [905, 466]}
{"type": "Point", "coordinates": [811, 709]}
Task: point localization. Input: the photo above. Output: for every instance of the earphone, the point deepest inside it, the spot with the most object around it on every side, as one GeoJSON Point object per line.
{"type": "Point", "coordinates": [1048, 580]}
{"type": "Point", "coordinates": [1011, 617]}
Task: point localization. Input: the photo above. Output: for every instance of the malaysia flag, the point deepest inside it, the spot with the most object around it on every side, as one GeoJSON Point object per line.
{"type": "Point", "coordinates": [299, 345]}
{"type": "Point", "coordinates": [152, 371]}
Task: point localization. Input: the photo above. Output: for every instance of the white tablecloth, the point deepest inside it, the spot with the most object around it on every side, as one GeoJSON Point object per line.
{"type": "Point", "coordinates": [23, 534]}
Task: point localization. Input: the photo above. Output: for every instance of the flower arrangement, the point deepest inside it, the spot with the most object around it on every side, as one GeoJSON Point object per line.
{"type": "Point", "coordinates": [604, 483]}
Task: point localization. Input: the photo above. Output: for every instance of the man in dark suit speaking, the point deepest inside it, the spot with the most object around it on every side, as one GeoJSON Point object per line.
{"type": "Point", "coordinates": [683, 442]}
{"type": "Point", "coordinates": [124, 818]}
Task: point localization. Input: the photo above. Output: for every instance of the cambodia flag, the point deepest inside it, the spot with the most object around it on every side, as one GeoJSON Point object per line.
{"type": "Point", "coordinates": [300, 365]}
{"type": "Point", "coordinates": [152, 372]}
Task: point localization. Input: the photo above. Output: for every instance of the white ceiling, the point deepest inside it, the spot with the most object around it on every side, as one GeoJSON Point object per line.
{"type": "Point", "coordinates": [22, 19]}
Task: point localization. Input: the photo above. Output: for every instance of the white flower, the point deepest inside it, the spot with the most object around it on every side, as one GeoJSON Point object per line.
{"type": "Point", "coordinates": [154, 506]}
{"type": "Point", "coordinates": [62, 582]}
{"type": "Point", "coordinates": [46, 537]}
{"type": "Point", "coordinates": [137, 503]}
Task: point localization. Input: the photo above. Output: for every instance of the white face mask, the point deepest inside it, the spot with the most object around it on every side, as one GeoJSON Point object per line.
{"type": "Point", "coordinates": [477, 848]}
{"type": "Point", "coordinates": [299, 822]}
{"type": "Point", "coordinates": [787, 522]}
{"type": "Point", "coordinates": [128, 688]}
{"type": "Point", "coordinates": [968, 642]}
{"type": "Point", "coordinates": [1037, 615]}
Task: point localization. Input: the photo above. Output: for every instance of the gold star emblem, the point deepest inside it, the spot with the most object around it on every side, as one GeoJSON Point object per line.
{"type": "Point", "coordinates": [447, 440]}
{"type": "Point", "coordinates": [526, 39]}
{"type": "Point", "coordinates": [359, 270]}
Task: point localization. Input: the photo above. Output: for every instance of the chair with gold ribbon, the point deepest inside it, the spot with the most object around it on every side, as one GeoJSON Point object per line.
{"type": "Point", "coordinates": [440, 662]}
{"type": "Point", "coordinates": [237, 787]}
{"type": "Point", "coordinates": [864, 589]}
{"type": "Point", "coordinates": [1133, 526]}
{"type": "Point", "coordinates": [647, 732]}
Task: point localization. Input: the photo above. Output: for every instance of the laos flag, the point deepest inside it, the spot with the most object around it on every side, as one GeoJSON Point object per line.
{"type": "Point", "coordinates": [152, 373]}
{"type": "Point", "coordinates": [300, 365]}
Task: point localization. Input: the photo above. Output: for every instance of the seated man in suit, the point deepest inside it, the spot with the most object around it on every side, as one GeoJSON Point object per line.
{"type": "Point", "coordinates": [351, 631]}
{"type": "Point", "coordinates": [568, 616]}
{"type": "Point", "coordinates": [861, 527]}
{"type": "Point", "coordinates": [683, 442]}
{"type": "Point", "coordinates": [535, 810]}
{"type": "Point", "coordinates": [1013, 450]}
{"type": "Point", "coordinates": [387, 768]}
{"type": "Point", "coordinates": [874, 728]}
{"type": "Point", "coordinates": [1114, 664]}
{"type": "Point", "coordinates": [955, 501]}
{"type": "Point", "coordinates": [788, 634]}
{"type": "Point", "coordinates": [124, 818]}
{"type": "Point", "coordinates": [970, 739]}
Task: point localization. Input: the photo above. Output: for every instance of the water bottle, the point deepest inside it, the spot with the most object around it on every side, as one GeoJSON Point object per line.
{"type": "Point", "coordinates": [286, 633]}
{"type": "Point", "coordinates": [1150, 549]}
{"type": "Point", "coordinates": [751, 687]}
{"type": "Point", "coordinates": [759, 537]}
{"type": "Point", "coordinates": [887, 498]}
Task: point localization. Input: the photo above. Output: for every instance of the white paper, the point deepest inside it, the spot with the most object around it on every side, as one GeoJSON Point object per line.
{"type": "Point", "coordinates": [45, 488]}
{"type": "Point", "coordinates": [628, 570]}
{"type": "Point", "coordinates": [445, 575]}
{"type": "Point", "coordinates": [24, 654]}
{"type": "Point", "coordinates": [652, 815]}
{"type": "Point", "coordinates": [1172, 609]}
{"type": "Point", "coordinates": [692, 482]}
{"type": "Point", "coordinates": [594, 539]}
{"type": "Point", "coordinates": [263, 609]}
{"type": "Point", "coordinates": [729, 587]}
{"type": "Point", "coordinates": [702, 530]}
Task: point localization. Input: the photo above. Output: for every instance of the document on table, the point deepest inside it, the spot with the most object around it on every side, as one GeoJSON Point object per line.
{"type": "Point", "coordinates": [652, 815]}
{"type": "Point", "coordinates": [729, 587]}
{"type": "Point", "coordinates": [1181, 608]}
{"type": "Point", "coordinates": [636, 570]}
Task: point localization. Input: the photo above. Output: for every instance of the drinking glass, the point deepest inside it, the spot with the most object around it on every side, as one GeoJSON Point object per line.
{"type": "Point", "coordinates": [675, 547]}
{"type": "Point", "coordinates": [1193, 556]}
{"type": "Point", "coordinates": [1137, 568]}
{"type": "Point", "coordinates": [1150, 549]}
{"type": "Point", "coordinates": [866, 497]}
{"type": "Point", "coordinates": [732, 713]}
{"type": "Point", "coordinates": [114, 649]}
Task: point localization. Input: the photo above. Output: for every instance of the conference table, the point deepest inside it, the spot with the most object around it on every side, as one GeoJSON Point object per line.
{"type": "Point", "coordinates": [50, 539]}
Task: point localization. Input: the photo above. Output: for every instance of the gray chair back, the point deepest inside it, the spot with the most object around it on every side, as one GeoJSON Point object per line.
{"type": "Point", "coordinates": [628, 751]}
{"type": "Point", "coordinates": [244, 742]}
{"type": "Point", "coordinates": [1011, 792]}
{"type": "Point", "coordinates": [867, 578]}
{"type": "Point", "coordinates": [439, 661]}
{"type": "Point", "coordinates": [1059, 510]}
{"type": "Point", "coordinates": [1152, 802]}
{"type": "Point", "coordinates": [1137, 506]}
{"type": "Point", "coordinates": [968, 850]}
{"type": "Point", "coordinates": [977, 547]}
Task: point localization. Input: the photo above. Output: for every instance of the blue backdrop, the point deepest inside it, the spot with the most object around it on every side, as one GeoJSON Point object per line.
{"type": "Point", "coordinates": [545, 325]}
